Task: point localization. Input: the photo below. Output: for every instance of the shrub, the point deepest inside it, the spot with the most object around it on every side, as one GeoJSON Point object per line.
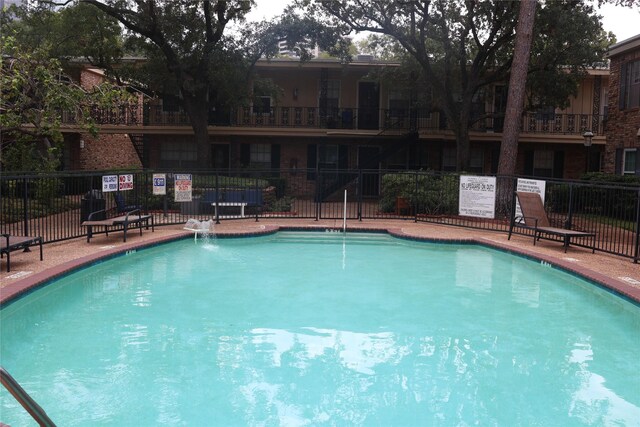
{"type": "Point", "coordinates": [429, 193]}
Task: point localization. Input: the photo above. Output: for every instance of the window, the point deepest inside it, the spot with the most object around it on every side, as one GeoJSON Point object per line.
{"type": "Point", "coordinates": [398, 103]}
{"type": "Point", "coordinates": [476, 160]}
{"type": "Point", "coordinates": [546, 113]}
{"type": "Point", "coordinates": [630, 85]}
{"type": "Point", "coordinates": [328, 156]}
{"type": "Point", "coordinates": [543, 163]}
{"type": "Point", "coordinates": [262, 105]}
{"type": "Point", "coordinates": [260, 155]}
{"type": "Point", "coordinates": [170, 104]}
{"type": "Point", "coordinates": [449, 159]}
{"type": "Point", "coordinates": [333, 97]}
{"type": "Point", "coordinates": [178, 154]}
{"type": "Point", "coordinates": [629, 159]}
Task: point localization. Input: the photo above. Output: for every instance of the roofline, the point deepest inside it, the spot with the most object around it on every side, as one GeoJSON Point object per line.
{"type": "Point", "coordinates": [323, 62]}
{"type": "Point", "coordinates": [624, 46]}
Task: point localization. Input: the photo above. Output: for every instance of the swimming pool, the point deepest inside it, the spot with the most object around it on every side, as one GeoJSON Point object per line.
{"type": "Point", "coordinates": [315, 328]}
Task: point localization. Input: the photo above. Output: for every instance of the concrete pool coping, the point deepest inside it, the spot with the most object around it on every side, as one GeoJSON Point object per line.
{"type": "Point", "coordinates": [616, 274]}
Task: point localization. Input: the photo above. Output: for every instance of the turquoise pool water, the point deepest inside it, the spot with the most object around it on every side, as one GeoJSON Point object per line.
{"type": "Point", "coordinates": [315, 329]}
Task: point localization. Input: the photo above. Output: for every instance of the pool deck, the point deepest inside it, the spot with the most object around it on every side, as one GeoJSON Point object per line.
{"type": "Point", "coordinates": [27, 272]}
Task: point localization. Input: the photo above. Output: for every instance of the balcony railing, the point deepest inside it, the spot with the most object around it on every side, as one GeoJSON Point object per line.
{"type": "Point", "coordinates": [421, 120]}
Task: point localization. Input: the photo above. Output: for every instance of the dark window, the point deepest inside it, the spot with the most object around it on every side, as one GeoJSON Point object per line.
{"type": "Point", "coordinates": [170, 103]}
{"type": "Point", "coordinates": [178, 154]}
{"type": "Point", "coordinates": [449, 159]}
{"type": "Point", "coordinates": [546, 113]}
{"type": "Point", "coordinates": [630, 161]}
{"type": "Point", "coordinates": [543, 163]}
{"type": "Point", "coordinates": [262, 105]}
{"type": "Point", "coordinates": [630, 85]}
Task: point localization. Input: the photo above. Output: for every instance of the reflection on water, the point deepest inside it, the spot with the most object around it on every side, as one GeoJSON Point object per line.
{"type": "Point", "coordinates": [251, 333]}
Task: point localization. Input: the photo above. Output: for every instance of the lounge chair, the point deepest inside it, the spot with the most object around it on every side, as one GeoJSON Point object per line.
{"type": "Point", "coordinates": [535, 218]}
{"type": "Point", "coordinates": [131, 219]}
{"type": "Point", "coordinates": [121, 205]}
{"type": "Point", "coordinates": [13, 243]}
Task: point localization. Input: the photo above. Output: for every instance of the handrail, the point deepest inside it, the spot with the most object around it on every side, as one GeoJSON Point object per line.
{"type": "Point", "coordinates": [23, 398]}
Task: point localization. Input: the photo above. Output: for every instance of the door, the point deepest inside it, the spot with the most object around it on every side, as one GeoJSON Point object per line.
{"type": "Point", "coordinates": [220, 156]}
{"type": "Point", "coordinates": [368, 160]}
{"type": "Point", "coordinates": [368, 105]}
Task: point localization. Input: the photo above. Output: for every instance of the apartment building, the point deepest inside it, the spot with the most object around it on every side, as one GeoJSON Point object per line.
{"type": "Point", "coordinates": [622, 154]}
{"type": "Point", "coordinates": [338, 116]}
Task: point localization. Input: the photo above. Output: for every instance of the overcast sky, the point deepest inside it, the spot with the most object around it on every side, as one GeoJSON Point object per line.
{"type": "Point", "coordinates": [624, 22]}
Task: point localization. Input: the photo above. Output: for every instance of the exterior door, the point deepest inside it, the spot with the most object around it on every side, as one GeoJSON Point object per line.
{"type": "Point", "coordinates": [368, 105]}
{"type": "Point", "coordinates": [369, 162]}
{"type": "Point", "coordinates": [220, 156]}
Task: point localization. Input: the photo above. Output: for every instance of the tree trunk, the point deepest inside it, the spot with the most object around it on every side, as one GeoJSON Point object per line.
{"type": "Point", "coordinates": [517, 85]}
{"type": "Point", "coordinates": [462, 144]}
{"type": "Point", "coordinates": [461, 132]}
{"type": "Point", "coordinates": [198, 111]}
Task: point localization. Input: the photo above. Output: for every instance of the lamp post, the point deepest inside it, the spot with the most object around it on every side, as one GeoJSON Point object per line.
{"type": "Point", "coordinates": [588, 139]}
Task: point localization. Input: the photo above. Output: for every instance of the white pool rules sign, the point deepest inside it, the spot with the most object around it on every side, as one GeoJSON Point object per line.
{"type": "Point", "coordinates": [477, 196]}
{"type": "Point", "coordinates": [159, 184]}
{"type": "Point", "coordinates": [182, 187]}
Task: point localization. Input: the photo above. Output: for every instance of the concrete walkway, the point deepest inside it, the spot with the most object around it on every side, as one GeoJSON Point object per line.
{"type": "Point", "coordinates": [27, 271]}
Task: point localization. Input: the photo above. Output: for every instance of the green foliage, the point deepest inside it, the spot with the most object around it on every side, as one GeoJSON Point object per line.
{"type": "Point", "coordinates": [36, 93]}
{"type": "Point", "coordinates": [608, 178]}
{"type": "Point", "coordinates": [606, 201]}
{"type": "Point", "coordinates": [209, 182]}
{"type": "Point", "coordinates": [568, 38]}
{"type": "Point", "coordinates": [283, 204]}
{"type": "Point", "coordinates": [13, 208]}
{"type": "Point", "coordinates": [78, 31]}
{"type": "Point", "coordinates": [430, 194]}
{"type": "Point", "coordinates": [462, 48]}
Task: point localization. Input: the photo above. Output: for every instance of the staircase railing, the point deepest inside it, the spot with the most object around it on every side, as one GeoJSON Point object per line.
{"type": "Point", "coordinates": [23, 398]}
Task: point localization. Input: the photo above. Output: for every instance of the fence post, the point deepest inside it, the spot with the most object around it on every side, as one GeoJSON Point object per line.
{"type": "Point", "coordinates": [415, 196]}
{"type": "Point", "coordinates": [636, 256]}
{"type": "Point", "coordinates": [257, 189]}
{"type": "Point", "coordinates": [217, 193]}
{"type": "Point", "coordinates": [165, 197]}
{"type": "Point", "coordinates": [25, 206]}
{"type": "Point", "coordinates": [569, 220]}
{"type": "Point", "coordinates": [318, 193]}
{"type": "Point", "coordinates": [359, 194]}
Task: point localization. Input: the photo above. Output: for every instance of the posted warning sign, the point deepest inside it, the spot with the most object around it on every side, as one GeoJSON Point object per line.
{"type": "Point", "coordinates": [125, 182]}
{"type": "Point", "coordinates": [182, 183]}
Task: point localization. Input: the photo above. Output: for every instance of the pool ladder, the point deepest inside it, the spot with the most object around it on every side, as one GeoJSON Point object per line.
{"type": "Point", "coordinates": [23, 398]}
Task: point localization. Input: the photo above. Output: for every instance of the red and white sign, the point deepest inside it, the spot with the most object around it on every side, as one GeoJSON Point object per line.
{"type": "Point", "coordinates": [125, 182]}
{"type": "Point", "coordinates": [182, 191]}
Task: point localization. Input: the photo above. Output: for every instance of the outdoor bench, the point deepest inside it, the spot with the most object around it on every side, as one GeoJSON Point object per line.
{"type": "Point", "coordinates": [242, 198]}
{"type": "Point", "coordinates": [129, 220]}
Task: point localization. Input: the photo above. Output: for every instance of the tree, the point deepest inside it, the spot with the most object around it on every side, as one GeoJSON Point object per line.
{"type": "Point", "coordinates": [190, 40]}
{"type": "Point", "coordinates": [190, 37]}
{"type": "Point", "coordinates": [517, 87]}
{"type": "Point", "coordinates": [462, 48]}
{"type": "Point", "coordinates": [35, 94]}
{"type": "Point", "coordinates": [77, 32]}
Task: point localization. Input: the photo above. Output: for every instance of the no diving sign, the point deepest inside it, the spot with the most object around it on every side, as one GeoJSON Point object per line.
{"type": "Point", "coordinates": [125, 182]}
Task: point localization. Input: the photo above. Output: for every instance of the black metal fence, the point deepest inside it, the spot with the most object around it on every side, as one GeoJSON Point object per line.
{"type": "Point", "coordinates": [53, 206]}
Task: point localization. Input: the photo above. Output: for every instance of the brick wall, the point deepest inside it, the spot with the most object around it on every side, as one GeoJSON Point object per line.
{"type": "Point", "coordinates": [108, 152]}
{"type": "Point", "coordinates": [90, 78]}
{"type": "Point", "coordinates": [296, 154]}
{"type": "Point", "coordinates": [622, 126]}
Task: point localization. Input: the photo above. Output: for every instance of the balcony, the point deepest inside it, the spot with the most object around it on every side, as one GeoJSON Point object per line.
{"type": "Point", "coordinates": [403, 120]}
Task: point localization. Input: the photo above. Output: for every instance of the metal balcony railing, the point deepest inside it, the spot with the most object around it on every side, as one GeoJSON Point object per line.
{"type": "Point", "coordinates": [421, 120]}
